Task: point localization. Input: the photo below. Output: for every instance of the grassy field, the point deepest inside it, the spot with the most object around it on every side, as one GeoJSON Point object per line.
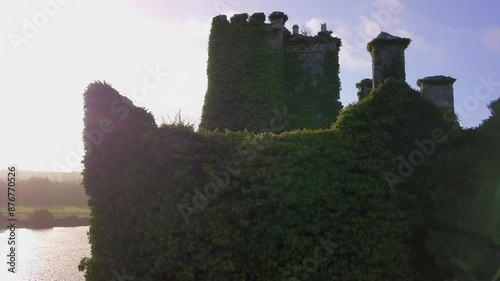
{"type": "Point", "coordinates": [57, 211]}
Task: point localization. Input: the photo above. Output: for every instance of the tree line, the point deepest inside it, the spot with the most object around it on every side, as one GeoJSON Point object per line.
{"type": "Point", "coordinates": [41, 191]}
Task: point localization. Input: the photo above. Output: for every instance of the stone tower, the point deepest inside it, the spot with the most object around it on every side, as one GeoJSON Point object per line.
{"type": "Point", "coordinates": [388, 59]}
{"type": "Point", "coordinates": [278, 20]}
{"type": "Point", "coordinates": [438, 89]}
{"type": "Point", "coordinates": [258, 69]}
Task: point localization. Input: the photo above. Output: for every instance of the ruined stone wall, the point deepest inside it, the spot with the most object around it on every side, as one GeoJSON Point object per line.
{"type": "Point", "coordinates": [312, 80]}
{"type": "Point", "coordinates": [312, 54]}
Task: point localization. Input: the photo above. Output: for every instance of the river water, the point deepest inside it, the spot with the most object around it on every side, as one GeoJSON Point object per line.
{"type": "Point", "coordinates": [49, 254]}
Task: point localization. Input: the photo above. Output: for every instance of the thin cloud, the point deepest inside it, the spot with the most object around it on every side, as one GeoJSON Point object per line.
{"type": "Point", "coordinates": [491, 38]}
{"type": "Point", "coordinates": [314, 25]}
{"type": "Point", "coordinates": [353, 54]}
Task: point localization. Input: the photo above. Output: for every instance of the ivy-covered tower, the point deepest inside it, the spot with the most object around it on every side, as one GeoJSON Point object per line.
{"type": "Point", "coordinates": [388, 58]}
{"type": "Point", "coordinates": [262, 77]}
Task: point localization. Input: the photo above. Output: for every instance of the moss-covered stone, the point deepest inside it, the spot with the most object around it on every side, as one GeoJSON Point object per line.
{"type": "Point", "coordinates": [385, 39]}
{"type": "Point", "coordinates": [436, 80]}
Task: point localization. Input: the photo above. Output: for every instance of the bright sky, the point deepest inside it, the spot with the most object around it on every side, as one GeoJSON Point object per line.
{"type": "Point", "coordinates": [50, 50]}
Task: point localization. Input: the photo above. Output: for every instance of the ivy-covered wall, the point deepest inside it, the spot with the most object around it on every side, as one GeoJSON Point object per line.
{"type": "Point", "coordinates": [312, 80]}
{"type": "Point", "coordinates": [390, 188]}
{"type": "Point", "coordinates": [245, 75]}
{"type": "Point", "coordinates": [169, 203]}
{"type": "Point", "coordinates": [251, 76]}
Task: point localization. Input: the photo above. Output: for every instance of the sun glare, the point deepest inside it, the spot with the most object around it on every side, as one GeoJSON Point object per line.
{"type": "Point", "coordinates": [52, 70]}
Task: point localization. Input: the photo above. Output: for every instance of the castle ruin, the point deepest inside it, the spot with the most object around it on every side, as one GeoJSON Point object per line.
{"type": "Point", "coordinates": [257, 68]}
{"type": "Point", "coordinates": [388, 60]}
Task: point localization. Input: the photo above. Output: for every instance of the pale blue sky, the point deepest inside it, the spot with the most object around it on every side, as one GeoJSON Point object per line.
{"type": "Point", "coordinates": [74, 42]}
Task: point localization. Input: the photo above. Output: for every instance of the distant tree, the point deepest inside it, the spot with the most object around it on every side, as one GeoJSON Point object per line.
{"type": "Point", "coordinates": [38, 191]}
{"type": "Point", "coordinates": [42, 218]}
{"type": "Point", "coordinates": [306, 31]}
{"type": "Point", "coordinates": [39, 179]}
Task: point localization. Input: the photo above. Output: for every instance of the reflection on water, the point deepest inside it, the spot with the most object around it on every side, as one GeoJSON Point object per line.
{"type": "Point", "coordinates": [49, 254]}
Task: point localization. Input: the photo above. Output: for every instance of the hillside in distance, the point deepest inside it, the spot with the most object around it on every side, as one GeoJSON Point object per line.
{"type": "Point", "coordinates": [52, 176]}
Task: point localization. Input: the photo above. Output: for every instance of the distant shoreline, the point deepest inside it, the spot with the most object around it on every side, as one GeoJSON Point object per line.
{"type": "Point", "coordinates": [70, 221]}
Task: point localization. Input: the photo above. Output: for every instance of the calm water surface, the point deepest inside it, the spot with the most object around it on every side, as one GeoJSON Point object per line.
{"type": "Point", "coordinates": [50, 254]}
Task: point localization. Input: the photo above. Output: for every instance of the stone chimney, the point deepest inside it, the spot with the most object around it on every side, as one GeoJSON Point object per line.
{"type": "Point", "coordinates": [295, 29]}
{"type": "Point", "coordinates": [388, 58]}
{"type": "Point", "coordinates": [438, 89]}
{"type": "Point", "coordinates": [324, 31]}
{"type": "Point", "coordinates": [364, 88]}
{"type": "Point", "coordinates": [323, 27]}
{"type": "Point", "coordinates": [278, 20]}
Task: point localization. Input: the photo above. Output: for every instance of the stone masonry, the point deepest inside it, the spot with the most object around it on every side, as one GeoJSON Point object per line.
{"type": "Point", "coordinates": [438, 89]}
{"type": "Point", "coordinates": [387, 53]}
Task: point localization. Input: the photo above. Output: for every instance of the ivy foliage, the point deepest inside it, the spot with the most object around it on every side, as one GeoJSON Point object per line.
{"type": "Point", "coordinates": [170, 203]}
{"type": "Point", "coordinates": [245, 75]}
{"type": "Point", "coordinates": [461, 204]}
{"type": "Point", "coordinates": [251, 76]}
{"type": "Point", "coordinates": [364, 88]}
{"type": "Point", "coordinates": [381, 42]}
{"type": "Point", "coordinates": [313, 99]}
